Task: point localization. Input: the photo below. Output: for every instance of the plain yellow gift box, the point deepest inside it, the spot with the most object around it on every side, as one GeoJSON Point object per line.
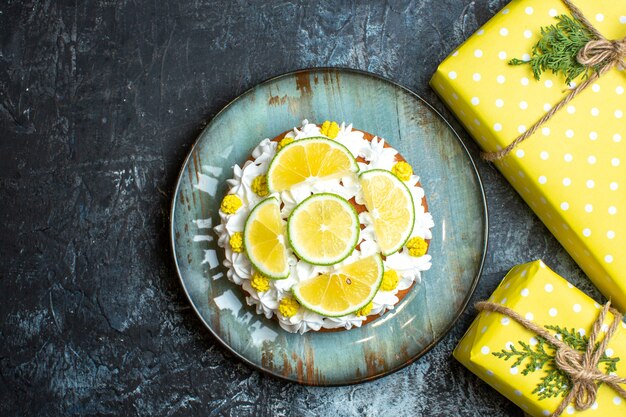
{"type": "Point", "coordinates": [540, 295]}
{"type": "Point", "coordinates": [572, 172]}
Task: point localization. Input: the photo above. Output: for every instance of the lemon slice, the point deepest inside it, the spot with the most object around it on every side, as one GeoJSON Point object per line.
{"type": "Point", "coordinates": [308, 159]}
{"type": "Point", "coordinates": [389, 202]}
{"type": "Point", "coordinates": [343, 291]}
{"type": "Point", "coordinates": [323, 229]}
{"type": "Point", "coordinates": [264, 239]}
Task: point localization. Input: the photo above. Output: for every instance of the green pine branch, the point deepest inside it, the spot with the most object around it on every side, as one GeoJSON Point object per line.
{"type": "Point", "coordinates": [554, 382]}
{"type": "Point", "coordinates": [557, 49]}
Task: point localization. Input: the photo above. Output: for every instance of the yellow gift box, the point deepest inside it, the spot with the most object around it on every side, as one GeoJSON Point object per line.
{"type": "Point", "coordinates": [540, 295]}
{"type": "Point", "coordinates": [572, 171]}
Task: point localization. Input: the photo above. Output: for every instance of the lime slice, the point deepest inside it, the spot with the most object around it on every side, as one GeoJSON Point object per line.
{"type": "Point", "coordinates": [323, 229]}
{"type": "Point", "coordinates": [308, 159]}
{"type": "Point", "coordinates": [343, 291]}
{"type": "Point", "coordinates": [264, 239]}
{"type": "Point", "coordinates": [389, 202]}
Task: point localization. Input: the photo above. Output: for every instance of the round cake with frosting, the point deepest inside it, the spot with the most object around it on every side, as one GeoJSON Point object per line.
{"type": "Point", "coordinates": [324, 227]}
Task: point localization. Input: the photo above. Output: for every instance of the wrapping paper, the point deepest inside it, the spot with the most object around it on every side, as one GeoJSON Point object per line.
{"type": "Point", "coordinates": [572, 171]}
{"type": "Point", "coordinates": [539, 294]}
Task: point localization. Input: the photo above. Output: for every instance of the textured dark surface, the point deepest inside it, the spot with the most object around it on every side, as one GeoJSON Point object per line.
{"type": "Point", "coordinates": [99, 103]}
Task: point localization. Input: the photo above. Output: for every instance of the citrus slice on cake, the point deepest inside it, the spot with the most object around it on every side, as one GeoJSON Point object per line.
{"type": "Point", "coordinates": [389, 202]}
{"type": "Point", "coordinates": [323, 229]}
{"type": "Point", "coordinates": [264, 239]}
{"type": "Point", "coordinates": [309, 159]}
{"type": "Point", "coordinates": [344, 291]}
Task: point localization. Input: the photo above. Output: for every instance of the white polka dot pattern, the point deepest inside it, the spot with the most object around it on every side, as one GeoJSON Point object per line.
{"type": "Point", "coordinates": [543, 297]}
{"type": "Point", "coordinates": [576, 162]}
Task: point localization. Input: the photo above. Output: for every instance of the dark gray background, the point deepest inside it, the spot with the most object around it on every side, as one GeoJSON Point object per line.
{"type": "Point", "coordinates": [100, 101]}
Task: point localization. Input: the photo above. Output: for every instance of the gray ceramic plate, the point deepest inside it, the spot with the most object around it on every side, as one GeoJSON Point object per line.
{"type": "Point", "coordinates": [455, 198]}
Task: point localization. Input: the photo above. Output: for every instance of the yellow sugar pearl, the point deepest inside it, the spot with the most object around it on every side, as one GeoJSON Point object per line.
{"type": "Point", "coordinates": [402, 170]}
{"type": "Point", "coordinates": [329, 129]}
{"type": "Point", "coordinates": [236, 242]}
{"type": "Point", "coordinates": [286, 141]}
{"type": "Point", "coordinates": [259, 282]}
{"type": "Point", "coordinates": [288, 307]}
{"type": "Point", "coordinates": [417, 246]}
{"type": "Point", "coordinates": [230, 204]}
{"type": "Point", "coordinates": [259, 186]}
{"type": "Point", "coordinates": [390, 280]}
{"type": "Point", "coordinates": [365, 310]}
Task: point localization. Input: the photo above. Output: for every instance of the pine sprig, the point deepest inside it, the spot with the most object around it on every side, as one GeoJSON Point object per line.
{"type": "Point", "coordinates": [571, 337]}
{"type": "Point", "coordinates": [532, 359]}
{"type": "Point", "coordinates": [554, 382]}
{"type": "Point", "coordinates": [557, 49]}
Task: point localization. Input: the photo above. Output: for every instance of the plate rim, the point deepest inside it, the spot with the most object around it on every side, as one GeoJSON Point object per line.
{"type": "Point", "coordinates": [467, 298]}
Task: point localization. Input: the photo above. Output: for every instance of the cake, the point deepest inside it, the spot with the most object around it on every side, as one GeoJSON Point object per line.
{"type": "Point", "coordinates": [324, 227]}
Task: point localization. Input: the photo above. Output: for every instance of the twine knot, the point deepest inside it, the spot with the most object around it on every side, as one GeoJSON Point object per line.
{"type": "Point", "coordinates": [602, 52]}
{"type": "Point", "coordinates": [583, 377]}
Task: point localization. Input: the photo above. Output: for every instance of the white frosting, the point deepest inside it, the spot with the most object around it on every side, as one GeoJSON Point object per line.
{"type": "Point", "coordinates": [266, 302]}
{"type": "Point", "coordinates": [384, 300]}
{"type": "Point", "coordinates": [376, 156]}
{"type": "Point", "coordinates": [303, 321]}
{"type": "Point", "coordinates": [349, 321]}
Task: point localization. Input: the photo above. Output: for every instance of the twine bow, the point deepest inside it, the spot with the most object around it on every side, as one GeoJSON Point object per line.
{"type": "Point", "coordinates": [603, 50]}
{"type": "Point", "coordinates": [600, 53]}
{"type": "Point", "coordinates": [582, 369]}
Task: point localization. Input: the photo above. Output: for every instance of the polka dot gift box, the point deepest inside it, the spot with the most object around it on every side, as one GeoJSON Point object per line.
{"type": "Point", "coordinates": [572, 170]}
{"type": "Point", "coordinates": [494, 342]}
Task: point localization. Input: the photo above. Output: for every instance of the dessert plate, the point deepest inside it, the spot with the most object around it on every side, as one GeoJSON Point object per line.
{"type": "Point", "coordinates": [455, 199]}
